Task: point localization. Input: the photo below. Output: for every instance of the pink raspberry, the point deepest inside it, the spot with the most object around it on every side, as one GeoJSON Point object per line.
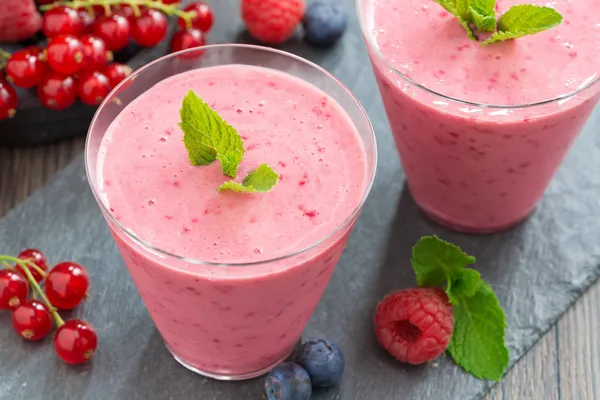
{"type": "Point", "coordinates": [19, 19]}
{"type": "Point", "coordinates": [415, 325]}
{"type": "Point", "coordinates": [272, 21]}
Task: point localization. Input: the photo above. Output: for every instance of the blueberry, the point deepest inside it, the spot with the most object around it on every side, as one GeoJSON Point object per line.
{"type": "Point", "coordinates": [324, 23]}
{"type": "Point", "coordinates": [323, 360]}
{"type": "Point", "coordinates": [288, 381]}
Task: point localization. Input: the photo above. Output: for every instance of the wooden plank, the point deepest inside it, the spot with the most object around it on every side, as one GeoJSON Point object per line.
{"type": "Point", "coordinates": [579, 349]}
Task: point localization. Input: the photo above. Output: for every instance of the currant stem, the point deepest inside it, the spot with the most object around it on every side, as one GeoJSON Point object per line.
{"type": "Point", "coordinates": [168, 9]}
{"type": "Point", "coordinates": [59, 321]}
{"type": "Point", "coordinates": [4, 56]}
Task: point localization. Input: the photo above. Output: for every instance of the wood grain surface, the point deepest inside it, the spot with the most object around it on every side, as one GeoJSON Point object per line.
{"type": "Point", "coordinates": [565, 364]}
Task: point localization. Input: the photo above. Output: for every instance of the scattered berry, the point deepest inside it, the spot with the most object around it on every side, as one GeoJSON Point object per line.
{"type": "Point", "coordinates": [116, 72]}
{"type": "Point", "coordinates": [187, 39]}
{"type": "Point", "coordinates": [8, 100]}
{"type": "Point", "coordinates": [38, 258]}
{"type": "Point", "coordinates": [31, 320]}
{"type": "Point", "coordinates": [57, 91]}
{"type": "Point", "coordinates": [67, 283]}
{"type": "Point", "coordinates": [114, 30]}
{"type": "Point", "coordinates": [415, 325]}
{"type": "Point", "coordinates": [25, 69]}
{"type": "Point", "coordinates": [62, 20]}
{"type": "Point", "coordinates": [65, 54]}
{"type": "Point", "coordinates": [150, 28]}
{"type": "Point", "coordinates": [19, 20]}
{"type": "Point", "coordinates": [75, 341]}
{"type": "Point", "coordinates": [13, 289]}
{"type": "Point", "coordinates": [323, 360]}
{"type": "Point", "coordinates": [324, 23]}
{"type": "Point", "coordinates": [203, 19]}
{"type": "Point", "coordinates": [272, 21]}
{"type": "Point", "coordinates": [95, 54]}
{"type": "Point", "coordinates": [288, 381]}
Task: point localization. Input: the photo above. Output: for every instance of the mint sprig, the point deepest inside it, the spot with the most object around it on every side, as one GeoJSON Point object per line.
{"type": "Point", "coordinates": [478, 341]}
{"type": "Point", "coordinates": [518, 21]}
{"type": "Point", "coordinates": [261, 179]}
{"type": "Point", "coordinates": [524, 20]}
{"type": "Point", "coordinates": [207, 137]}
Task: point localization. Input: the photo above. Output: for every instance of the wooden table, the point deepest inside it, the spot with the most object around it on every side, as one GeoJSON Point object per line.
{"type": "Point", "coordinates": [565, 364]}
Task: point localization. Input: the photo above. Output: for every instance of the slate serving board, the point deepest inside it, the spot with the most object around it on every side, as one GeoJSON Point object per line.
{"type": "Point", "coordinates": [538, 269]}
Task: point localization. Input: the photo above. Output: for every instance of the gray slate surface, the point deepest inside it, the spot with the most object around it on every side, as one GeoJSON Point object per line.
{"type": "Point", "coordinates": [538, 269]}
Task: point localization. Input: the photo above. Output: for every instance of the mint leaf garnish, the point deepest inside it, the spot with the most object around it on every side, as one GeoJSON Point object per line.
{"type": "Point", "coordinates": [483, 14]}
{"type": "Point", "coordinates": [460, 9]}
{"type": "Point", "coordinates": [523, 20]}
{"type": "Point", "coordinates": [478, 341]}
{"type": "Point", "coordinates": [207, 137]}
{"type": "Point", "coordinates": [261, 179]}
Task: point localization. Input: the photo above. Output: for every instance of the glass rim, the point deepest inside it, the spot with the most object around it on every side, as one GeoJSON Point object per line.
{"type": "Point", "coordinates": [367, 189]}
{"type": "Point", "coordinates": [371, 44]}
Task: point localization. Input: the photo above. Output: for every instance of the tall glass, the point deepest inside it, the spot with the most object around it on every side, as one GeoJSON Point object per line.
{"type": "Point", "coordinates": [230, 299]}
{"type": "Point", "coordinates": [475, 167]}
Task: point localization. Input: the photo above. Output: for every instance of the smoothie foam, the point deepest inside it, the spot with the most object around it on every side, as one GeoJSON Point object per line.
{"type": "Point", "coordinates": [233, 320]}
{"type": "Point", "coordinates": [475, 167]}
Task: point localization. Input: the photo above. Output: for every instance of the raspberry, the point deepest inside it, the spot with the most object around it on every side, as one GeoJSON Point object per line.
{"type": "Point", "coordinates": [415, 325]}
{"type": "Point", "coordinates": [272, 21]}
{"type": "Point", "coordinates": [19, 20]}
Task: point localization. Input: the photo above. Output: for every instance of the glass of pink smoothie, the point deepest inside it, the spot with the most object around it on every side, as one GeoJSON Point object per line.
{"type": "Point", "coordinates": [481, 130]}
{"type": "Point", "coordinates": [231, 279]}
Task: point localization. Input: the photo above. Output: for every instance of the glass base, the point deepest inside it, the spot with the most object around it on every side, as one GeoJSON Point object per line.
{"type": "Point", "coordinates": [228, 377]}
{"type": "Point", "coordinates": [470, 229]}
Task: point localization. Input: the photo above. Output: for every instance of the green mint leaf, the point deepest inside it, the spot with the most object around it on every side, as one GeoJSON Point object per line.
{"type": "Point", "coordinates": [483, 14]}
{"type": "Point", "coordinates": [207, 137]}
{"type": "Point", "coordinates": [523, 20]}
{"type": "Point", "coordinates": [477, 342]}
{"type": "Point", "coordinates": [261, 179]}
{"type": "Point", "coordinates": [436, 261]}
{"type": "Point", "coordinates": [460, 9]}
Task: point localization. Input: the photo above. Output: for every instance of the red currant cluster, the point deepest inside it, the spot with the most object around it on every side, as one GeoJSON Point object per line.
{"type": "Point", "coordinates": [82, 36]}
{"type": "Point", "coordinates": [65, 286]}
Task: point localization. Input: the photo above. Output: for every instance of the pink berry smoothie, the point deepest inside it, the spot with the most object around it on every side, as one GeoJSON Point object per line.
{"type": "Point", "coordinates": [474, 167]}
{"type": "Point", "coordinates": [221, 320]}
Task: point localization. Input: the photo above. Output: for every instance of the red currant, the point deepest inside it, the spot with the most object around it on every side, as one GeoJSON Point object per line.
{"type": "Point", "coordinates": [170, 1]}
{"type": "Point", "coordinates": [65, 54]}
{"type": "Point", "coordinates": [38, 258]}
{"type": "Point", "coordinates": [57, 91]}
{"type": "Point", "coordinates": [95, 54]}
{"type": "Point", "coordinates": [187, 39]}
{"type": "Point", "coordinates": [62, 20]}
{"type": "Point", "coordinates": [93, 87]}
{"type": "Point", "coordinates": [68, 282]}
{"type": "Point", "coordinates": [86, 19]}
{"type": "Point", "coordinates": [127, 11]}
{"type": "Point", "coordinates": [13, 289]}
{"type": "Point", "coordinates": [150, 28]}
{"type": "Point", "coordinates": [203, 19]}
{"type": "Point", "coordinates": [116, 72]}
{"type": "Point", "coordinates": [32, 320]}
{"type": "Point", "coordinates": [25, 69]}
{"type": "Point", "coordinates": [8, 100]}
{"type": "Point", "coordinates": [114, 30]}
{"type": "Point", "coordinates": [75, 342]}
